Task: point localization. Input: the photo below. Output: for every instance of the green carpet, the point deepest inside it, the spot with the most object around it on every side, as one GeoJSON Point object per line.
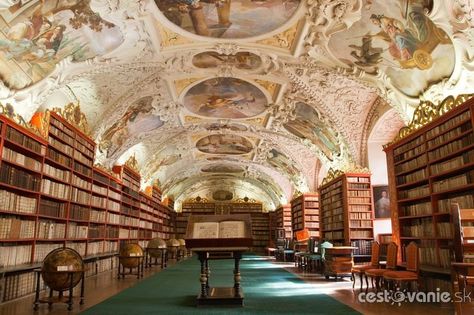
{"type": "Point", "coordinates": [268, 289]}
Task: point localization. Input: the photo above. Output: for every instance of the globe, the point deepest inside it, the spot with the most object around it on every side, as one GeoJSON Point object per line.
{"type": "Point", "coordinates": [62, 259]}
{"type": "Point", "coordinates": [182, 242]}
{"type": "Point", "coordinates": [172, 242]}
{"type": "Point", "coordinates": [155, 246]}
{"type": "Point", "coordinates": [128, 254]}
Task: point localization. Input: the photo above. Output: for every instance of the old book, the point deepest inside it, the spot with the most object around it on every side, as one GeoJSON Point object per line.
{"type": "Point", "coordinates": [223, 229]}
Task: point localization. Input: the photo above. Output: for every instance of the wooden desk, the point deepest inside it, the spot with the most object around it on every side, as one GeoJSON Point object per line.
{"type": "Point", "coordinates": [338, 261]}
{"type": "Point", "coordinates": [220, 296]}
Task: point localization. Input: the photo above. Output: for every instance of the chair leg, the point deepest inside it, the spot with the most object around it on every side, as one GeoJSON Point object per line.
{"type": "Point", "coordinates": [361, 280]}
{"type": "Point", "coordinates": [353, 280]}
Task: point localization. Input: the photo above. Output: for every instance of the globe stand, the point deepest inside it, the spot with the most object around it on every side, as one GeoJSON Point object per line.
{"type": "Point", "coordinates": [139, 266]}
{"type": "Point", "coordinates": [60, 298]}
{"type": "Point", "coordinates": [151, 260]}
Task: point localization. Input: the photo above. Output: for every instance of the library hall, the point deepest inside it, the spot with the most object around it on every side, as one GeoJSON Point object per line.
{"type": "Point", "coordinates": [236, 157]}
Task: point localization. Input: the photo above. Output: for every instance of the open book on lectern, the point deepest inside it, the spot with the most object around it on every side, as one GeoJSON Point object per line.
{"type": "Point", "coordinates": [223, 229]}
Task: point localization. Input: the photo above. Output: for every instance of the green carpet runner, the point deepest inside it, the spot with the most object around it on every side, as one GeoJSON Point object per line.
{"type": "Point", "coordinates": [268, 289]}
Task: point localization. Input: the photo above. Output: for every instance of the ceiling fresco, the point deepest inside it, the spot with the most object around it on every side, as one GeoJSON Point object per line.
{"type": "Point", "coordinates": [225, 98]}
{"type": "Point", "coordinates": [36, 36]}
{"type": "Point", "coordinates": [228, 18]}
{"type": "Point", "coordinates": [257, 98]}
{"type": "Point", "coordinates": [224, 144]}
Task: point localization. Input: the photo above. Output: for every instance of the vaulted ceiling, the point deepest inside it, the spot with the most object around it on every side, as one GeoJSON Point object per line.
{"type": "Point", "coordinates": [256, 98]}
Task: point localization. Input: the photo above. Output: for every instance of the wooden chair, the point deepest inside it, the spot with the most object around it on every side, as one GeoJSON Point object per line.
{"type": "Point", "coordinates": [374, 264]}
{"type": "Point", "coordinates": [378, 273]}
{"type": "Point", "coordinates": [316, 260]}
{"type": "Point", "coordinates": [462, 271]}
{"type": "Point", "coordinates": [411, 273]}
{"type": "Point", "coordinates": [301, 246]}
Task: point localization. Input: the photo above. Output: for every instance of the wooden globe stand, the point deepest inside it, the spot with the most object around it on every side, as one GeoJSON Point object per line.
{"type": "Point", "coordinates": [151, 260]}
{"type": "Point", "coordinates": [51, 299]}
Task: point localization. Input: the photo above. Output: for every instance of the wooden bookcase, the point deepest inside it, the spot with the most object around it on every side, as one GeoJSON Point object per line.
{"type": "Point", "coordinates": [305, 214]}
{"type": "Point", "coordinates": [430, 167]}
{"type": "Point", "coordinates": [52, 196]}
{"type": "Point", "coordinates": [347, 212]}
{"type": "Point", "coordinates": [282, 218]}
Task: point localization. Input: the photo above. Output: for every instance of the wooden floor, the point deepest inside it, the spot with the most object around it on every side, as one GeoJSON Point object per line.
{"type": "Point", "coordinates": [106, 284]}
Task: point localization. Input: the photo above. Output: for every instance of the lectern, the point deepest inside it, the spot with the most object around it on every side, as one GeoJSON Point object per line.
{"type": "Point", "coordinates": [219, 237]}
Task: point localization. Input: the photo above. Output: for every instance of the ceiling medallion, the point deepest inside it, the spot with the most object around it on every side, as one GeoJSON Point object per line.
{"type": "Point", "coordinates": [228, 19]}
{"type": "Point", "coordinates": [427, 112]}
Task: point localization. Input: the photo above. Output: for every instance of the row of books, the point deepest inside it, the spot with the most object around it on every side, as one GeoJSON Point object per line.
{"type": "Point", "coordinates": [99, 202]}
{"type": "Point", "coordinates": [359, 186]}
{"type": "Point", "coordinates": [99, 189]}
{"type": "Point", "coordinates": [78, 212]}
{"type": "Point", "coordinates": [418, 228]}
{"type": "Point", "coordinates": [15, 228]}
{"type": "Point", "coordinates": [363, 247]}
{"type": "Point", "coordinates": [361, 224]}
{"type": "Point", "coordinates": [359, 200]}
{"type": "Point", "coordinates": [61, 146]}
{"type": "Point", "coordinates": [451, 164]}
{"type": "Point", "coordinates": [416, 192]}
{"type": "Point", "coordinates": [25, 141]}
{"type": "Point", "coordinates": [448, 124]}
{"type": "Point", "coordinates": [58, 129]}
{"type": "Point", "coordinates": [50, 230]}
{"type": "Point", "coordinates": [360, 215]}
{"type": "Point", "coordinates": [360, 208]}
{"type": "Point", "coordinates": [41, 250]}
{"type": "Point", "coordinates": [361, 234]}
{"type": "Point", "coordinates": [359, 193]}
{"type": "Point", "coordinates": [416, 209]}
{"type": "Point", "coordinates": [75, 231]}
{"type": "Point", "coordinates": [332, 235]}
{"type": "Point", "coordinates": [81, 183]}
{"type": "Point", "coordinates": [15, 255]}
{"type": "Point", "coordinates": [60, 174]}
{"type": "Point", "coordinates": [83, 169]}
{"type": "Point", "coordinates": [58, 157]}
{"type": "Point", "coordinates": [87, 160]}
{"type": "Point", "coordinates": [16, 177]}
{"type": "Point", "coordinates": [129, 221]}
{"type": "Point", "coordinates": [465, 201]}
{"type": "Point", "coordinates": [453, 182]}
{"type": "Point", "coordinates": [409, 145]}
{"type": "Point", "coordinates": [445, 229]}
{"type": "Point", "coordinates": [333, 218]}
{"type": "Point", "coordinates": [410, 153]}
{"type": "Point", "coordinates": [428, 255]}
{"type": "Point", "coordinates": [411, 177]}
{"type": "Point", "coordinates": [52, 208]}
{"type": "Point", "coordinates": [13, 202]}
{"type": "Point", "coordinates": [97, 216]}
{"type": "Point", "coordinates": [411, 164]}
{"type": "Point", "coordinates": [80, 196]}
{"type": "Point", "coordinates": [19, 284]}
{"type": "Point", "coordinates": [54, 189]}
{"type": "Point", "coordinates": [451, 147]}
{"type": "Point", "coordinates": [358, 179]}
{"type": "Point", "coordinates": [328, 226]}
{"type": "Point", "coordinates": [18, 158]}
{"type": "Point", "coordinates": [79, 247]}
{"type": "Point", "coordinates": [449, 135]}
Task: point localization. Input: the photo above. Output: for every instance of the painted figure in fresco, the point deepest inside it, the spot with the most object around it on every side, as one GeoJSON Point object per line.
{"type": "Point", "coordinates": [411, 44]}
{"type": "Point", "coordinates": [366, 55]}
{"type": "Point", "coordinates": [224, 144]}
{"type": "Point", "coordinates": [137, 119]}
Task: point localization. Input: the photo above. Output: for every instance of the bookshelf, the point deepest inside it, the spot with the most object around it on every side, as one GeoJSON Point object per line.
{"type": "Point", "coordinates": [347, 211]}
{"type": "Point", "coordinates": [430, 165]}
{"type": "Point", "coordinates": [51, 195]}
{"type": "Point", "coordinates": [282, 219]}
{"type": "Point", "coordinates": [305, 214]}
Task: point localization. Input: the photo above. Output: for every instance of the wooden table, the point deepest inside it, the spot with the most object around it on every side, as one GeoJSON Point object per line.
{"type": "Point", "coordinates": [220, 296]}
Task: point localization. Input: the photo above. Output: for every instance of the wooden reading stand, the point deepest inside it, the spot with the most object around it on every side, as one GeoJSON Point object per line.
{"type": "Point", "coordinates": [219, 237]}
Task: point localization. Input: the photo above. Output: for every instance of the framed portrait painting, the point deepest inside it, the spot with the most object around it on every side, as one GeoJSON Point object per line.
{"type": "Point", "coordinates": [381, 202]}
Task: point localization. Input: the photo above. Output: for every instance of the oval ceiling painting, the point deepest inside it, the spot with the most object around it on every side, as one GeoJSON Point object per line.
{"type": "Point", "coordinates": [225, 98]}
{"type": "Point", "coordinates": [222, 168]}
{"type": "Point", "coordinates": [307, 125]}
{"type": "Point", "coordinates": [228, 18]}
{"type": "Point", "coordinates": [224, 144]}
{"type": "Point", "coordinates": [397, 37]}
{"type": "Point", "coordinates": [241, 60]}
{"type": "Point", "coordinates": [222, 195]}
